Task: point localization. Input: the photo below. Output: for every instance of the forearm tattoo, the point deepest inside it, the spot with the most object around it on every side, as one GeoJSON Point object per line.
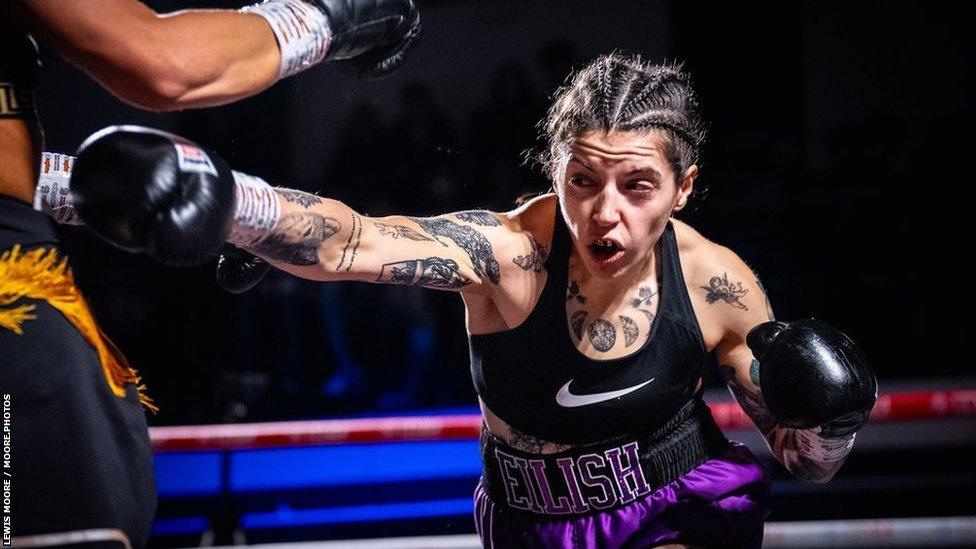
{"type": "Point", "coordinates": [535, 259]}
{"type": "Point", "coordinates": [602, 335]}
{"type": "Point", "coordinates": [396, 231]}
{"type": "Point", "coordinates": [720, 289]}
{"type": "Point", "coordinates": [750, 398]}
{"type": "Point", "coordinates": [299, 197]}
{"type": "Point", "coordinates": [296, 238]}
{"type": "Point", "coordinates": [471, 241]}
{"type": "Point", "coordinates": [573, 292]}
{"type": "Point", "coordinates": [792, 447]}
{"type": "Point", "coordinates": [355, 235]}
{"type": "Point", "coordinates": [433, 272]}
{"type": "Point", "coordinates": [479, 217]}
{"type": "Point", "coordinates": [531, 444]}
{"type": "Point", "coordinates": [810, 457]}
{"type": "Point", "coordinates": [631, 332]}
{"type": "Point", "coordinates": [576, 321]}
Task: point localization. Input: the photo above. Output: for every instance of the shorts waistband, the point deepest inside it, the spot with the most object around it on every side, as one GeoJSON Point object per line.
{"type": "Point", "coordinates": [602, 476]}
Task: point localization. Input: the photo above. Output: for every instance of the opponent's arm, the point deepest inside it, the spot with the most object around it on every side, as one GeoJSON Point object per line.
{"type": "Point", "coordinates": [813, 434]}
{"type": "Point", "coordinates": [199, 58]}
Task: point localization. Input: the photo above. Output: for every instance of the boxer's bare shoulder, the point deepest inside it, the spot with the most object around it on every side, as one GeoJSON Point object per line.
{"type": "Point", "coordinates": [522, 250]}
{"type": "Point", "coordinates": [725, 293]}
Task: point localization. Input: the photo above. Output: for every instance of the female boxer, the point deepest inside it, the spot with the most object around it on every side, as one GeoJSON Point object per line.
{"type": "Point", "coordinates": [590, 311]}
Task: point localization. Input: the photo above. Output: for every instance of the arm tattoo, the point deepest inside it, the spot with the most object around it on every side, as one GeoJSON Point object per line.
{"type": "Point", "coordinates": [631, 333]}
{"type": "Point", "coordinates": [750, 398]}
{"type": "Point", "coordinates": [396, 231]}
{"type": "Point", "coordinates": [798, 445]}
{"type": "Point", "coordinates": [573, 292]}
{"type": "Point", "coordinates": [479, 217]}
{"type": "Point", "coordinates": [298, 197]}
{"type": "Point", "coordinates": [602, 335]}
{"type": "Point", "coordinates": [296, 238]}
{"type": "Point", "coordinates": [535, 259]}
{"type": "Point", "coordinates": [769, 306]}
{"type": "Point", "coordinates": [433, 272]}
{"type": "Point", "coordinates": [790, 446]}
{"type": "Point", "coordinates": [531, 444]}
{"type": "Point", "coordinates": [576, 321]}
{"type": "Point", "coordinates": [471, 241]}
{"type": "Point", "coordinates": [355, 233]}
{"type": "Point", "coordinates": [720, 289]}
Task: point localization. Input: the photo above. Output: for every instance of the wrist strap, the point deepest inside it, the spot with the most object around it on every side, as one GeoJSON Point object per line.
{"type": "Point", "coordinates": [302, 31]}
{"type": "Point", "coordinates": [256, 210]}
{"type": "Point", "coordinates": [52, 194]}
{"type": "Point", "coordinates": [815, 447]}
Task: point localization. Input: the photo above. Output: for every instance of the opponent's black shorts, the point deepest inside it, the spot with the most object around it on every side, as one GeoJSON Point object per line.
{"type": "Point", "coordinates": [76, 456]}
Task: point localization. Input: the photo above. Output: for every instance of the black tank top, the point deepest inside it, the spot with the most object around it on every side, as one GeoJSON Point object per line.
{"type": "Point", "coordinates": [519, 372]}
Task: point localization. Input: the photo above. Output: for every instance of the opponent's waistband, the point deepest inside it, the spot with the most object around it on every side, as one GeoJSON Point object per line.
{"type": "Point", "coordinates": [21, 224]}
{"type": "Point", "coordinates": [603, 476]}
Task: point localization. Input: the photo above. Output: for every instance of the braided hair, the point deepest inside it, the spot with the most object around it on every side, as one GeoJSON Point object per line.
{"type": "Point", "coordinates": [624, 93]}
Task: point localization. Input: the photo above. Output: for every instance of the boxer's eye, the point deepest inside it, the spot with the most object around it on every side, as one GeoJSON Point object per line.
{"type": "Point", "coordinates": [641, 185]}
{"type": "Point", "coordinates": [580, 181]}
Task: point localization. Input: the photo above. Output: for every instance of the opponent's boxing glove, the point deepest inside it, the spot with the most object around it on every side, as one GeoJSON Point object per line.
{"type": "Point", "coordinates": [370, 38]}
{"type": "Point", "coordinates": [373, 37]}
{"type": "Point", "coordinates": [239, 270]}
{"type": "Point", "coordinates": [813, 375]}
{"type": "Point", "coordinates": [149, 191]}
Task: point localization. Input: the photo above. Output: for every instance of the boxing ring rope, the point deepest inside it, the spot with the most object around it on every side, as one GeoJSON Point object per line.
{"type": "Point", "coordinates": [891, 407]}
{"type": "Point", "coordinates": [910, 532]}
{"type": "Point", "coordinates": [902, 406]}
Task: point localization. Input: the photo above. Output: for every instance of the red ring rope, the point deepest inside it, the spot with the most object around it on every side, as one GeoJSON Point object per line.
{"type": "Point", "coordinates": [907, 406]}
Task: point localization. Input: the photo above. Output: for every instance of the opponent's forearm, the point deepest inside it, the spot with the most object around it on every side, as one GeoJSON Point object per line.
{"type": "Point", "coordinates": [161, 62]}
{"type": "Point", "coordinates": [214, 57]}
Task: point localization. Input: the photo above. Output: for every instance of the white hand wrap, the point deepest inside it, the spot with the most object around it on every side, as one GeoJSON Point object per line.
{"type": "Point", "coordinates": [813, 446]}
{"type": "Point", "coordinates": [302, 31]}
{"type": "Point", "coordinates": [52, 193]}
{"type": "Point", "coordinates": [256, 211]}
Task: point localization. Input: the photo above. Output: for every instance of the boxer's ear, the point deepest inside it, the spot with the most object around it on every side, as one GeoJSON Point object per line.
{"type": "Point", "coordinates": [685, 186]}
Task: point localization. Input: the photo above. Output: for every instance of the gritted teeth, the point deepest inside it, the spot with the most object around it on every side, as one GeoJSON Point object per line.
{"type": "Point", "coordinates": [605, 243]}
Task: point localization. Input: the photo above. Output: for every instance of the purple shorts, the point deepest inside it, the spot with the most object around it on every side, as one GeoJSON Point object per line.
{"type": "Point", "coordinates": [722, 502]}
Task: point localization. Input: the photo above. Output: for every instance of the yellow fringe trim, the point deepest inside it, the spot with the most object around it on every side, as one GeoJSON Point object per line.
{"type": "Point", "coordinates": [41, 274]}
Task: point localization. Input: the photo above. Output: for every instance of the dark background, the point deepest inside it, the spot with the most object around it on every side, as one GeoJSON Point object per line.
{"type": "Point", "coordinates": [837, 167]}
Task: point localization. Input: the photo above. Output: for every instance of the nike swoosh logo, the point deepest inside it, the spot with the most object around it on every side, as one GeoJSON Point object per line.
{"type": "Point", "coordinates": [566, 399]}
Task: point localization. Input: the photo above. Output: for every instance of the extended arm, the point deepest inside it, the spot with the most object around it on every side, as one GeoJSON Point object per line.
{"type": "Point", "coordinates": [154, 192]}
{"type": "Point", "coordinates": [323, 239]}
{"type": "Point", "coordinates": [199, 58]}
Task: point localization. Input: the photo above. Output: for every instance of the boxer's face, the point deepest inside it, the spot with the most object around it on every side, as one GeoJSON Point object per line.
{"type": "Point", "coordinates": [617, 192]}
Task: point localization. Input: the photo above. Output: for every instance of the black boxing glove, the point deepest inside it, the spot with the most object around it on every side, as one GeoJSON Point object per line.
{"type": "Point", "coordinates": [19, 66]}
{"type": "Point", "coordinates": [813, 375]}
{"type": "Point", "coordinates": [370, 38]}
{"type": "Point", "coordinates": [239, 270]}
{"type": "Point", "coordinates": [149, 191]}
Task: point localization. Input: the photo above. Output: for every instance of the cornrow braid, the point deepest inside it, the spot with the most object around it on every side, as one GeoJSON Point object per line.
{"type": "Point", "coordinates": [618, 92]}
{"type": "Point", "coordinates": [604, 83]}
